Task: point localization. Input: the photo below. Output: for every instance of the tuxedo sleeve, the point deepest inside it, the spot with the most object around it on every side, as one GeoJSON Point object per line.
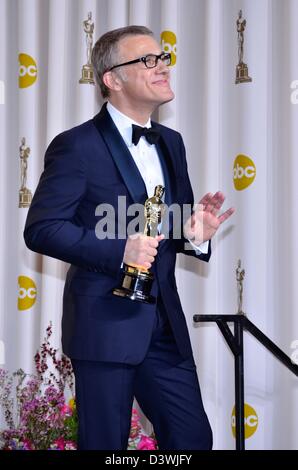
{"type": "Point", "coordinates": [183, 245]}
{"type": "Point", "coordinates": [51, 228]}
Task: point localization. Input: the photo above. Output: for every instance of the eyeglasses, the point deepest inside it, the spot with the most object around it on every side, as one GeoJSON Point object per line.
{"type": "Point", "coordinates": [149, 60]}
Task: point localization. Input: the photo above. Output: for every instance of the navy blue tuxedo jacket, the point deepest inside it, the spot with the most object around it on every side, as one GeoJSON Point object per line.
{"type": "Point", "coordinates": [84, 167]}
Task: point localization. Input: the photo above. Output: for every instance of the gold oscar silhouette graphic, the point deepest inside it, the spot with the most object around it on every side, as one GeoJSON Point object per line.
{"type": "Point", "coordinates": [242, 68]}
{"type": "Point", "coordinates": [25, 195]}
{"type": "Point", "coordinates": [240, 273]}
{"type": "Point", "coordinates": [87, 69]}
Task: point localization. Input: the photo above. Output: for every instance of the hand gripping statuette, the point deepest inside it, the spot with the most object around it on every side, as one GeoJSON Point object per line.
{"type": "Point", "coordinates": [137, 280]}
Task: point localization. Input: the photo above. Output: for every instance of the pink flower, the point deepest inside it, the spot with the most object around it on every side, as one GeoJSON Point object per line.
{"type": "Point", "coordinates": [27, 444]}
{"type": "Point", "coordinates": [59, 444]}
{"type": "Point", "coordinates": [134, 432]}
{"type": "Point", "coordinates": [62, 444]}
{"type": "Point", "coordinates": [69, 445]}
{"type": "Point", "coordinates": [135, 428]}
{"type": "Point", "coordinates": [135, 418]}
{"type": "Point", "coordinates": [66, 410]}
{"type": "Point", "coordinates": [146, 443]}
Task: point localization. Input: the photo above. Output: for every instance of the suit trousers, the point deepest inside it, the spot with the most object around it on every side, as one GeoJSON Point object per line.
{"type": "Point", "coordinates": [166, 388]}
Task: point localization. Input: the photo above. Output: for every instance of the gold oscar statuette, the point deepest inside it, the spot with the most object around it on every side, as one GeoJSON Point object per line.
{"type": "Point", "coordinates": [25, 195]}
{"type": "Point", "coordinates": [240, 273]}
{"type": "Point", "coordinates": [242, 68]}
{"type": "Point", "coordinates": [137, 280]}
{"type": "Point", "coordinates": [87, 69]}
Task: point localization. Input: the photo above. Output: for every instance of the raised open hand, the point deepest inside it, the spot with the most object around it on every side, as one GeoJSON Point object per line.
{"type": "Point", "coordinates": [205, 220]}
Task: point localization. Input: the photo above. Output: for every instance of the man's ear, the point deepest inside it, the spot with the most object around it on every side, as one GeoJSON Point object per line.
{"type": "Point", "coordinates": [112, 81]}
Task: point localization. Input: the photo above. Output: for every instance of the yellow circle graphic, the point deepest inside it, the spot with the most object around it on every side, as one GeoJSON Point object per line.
{"type": "Point", "coordinates": [250, 421]}
{"type": "Point", "coordinates": [169, 44]}
{"type": "Point", "coordinates": [27, 293]}
{"type": "Point", "coordinates": [27, 70]}
{"type": "Point", "coordinates": [244, 172]}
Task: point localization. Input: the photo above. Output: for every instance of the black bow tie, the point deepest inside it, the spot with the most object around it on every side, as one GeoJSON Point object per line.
{"type": "Point", "coordinates": [151, 135]}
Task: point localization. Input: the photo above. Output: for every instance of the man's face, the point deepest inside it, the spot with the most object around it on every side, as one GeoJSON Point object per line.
{"type": "Point", "coordinates": [144, 87]}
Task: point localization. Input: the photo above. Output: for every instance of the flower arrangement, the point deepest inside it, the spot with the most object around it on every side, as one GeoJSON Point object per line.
{"type": "Point", "coordinates": [138, 440]}
{"type": "Point", "coordinates": [38, 416]}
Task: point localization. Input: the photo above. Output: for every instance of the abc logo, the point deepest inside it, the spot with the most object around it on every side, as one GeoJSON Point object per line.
{"type": "Point", "coordinates": [250, 421]}
{"type": "Point", "coordinates": [169, 44]}
{"type": "Point", "coordinates": [27, 293]}
{"type": "Point", "coordinates": [244, 172]}
{"type": "Point", "coordinates": [27, 71]}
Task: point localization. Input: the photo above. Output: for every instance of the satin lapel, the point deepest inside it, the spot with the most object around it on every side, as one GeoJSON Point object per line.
{"type": "Point", "coordinates": [121, 156]}
{"type": "Point", "coordinates": [167, 162]}
{"type": "Point", "coordinates": [168, 167]}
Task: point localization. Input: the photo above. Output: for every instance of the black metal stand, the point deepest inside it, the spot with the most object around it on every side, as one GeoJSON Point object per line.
{"type": "Point", "coordinates": [235, 342]}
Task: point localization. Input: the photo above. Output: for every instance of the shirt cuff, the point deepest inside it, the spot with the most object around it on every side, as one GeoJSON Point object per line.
{"type": "Point", "coordinates": [202, 248]}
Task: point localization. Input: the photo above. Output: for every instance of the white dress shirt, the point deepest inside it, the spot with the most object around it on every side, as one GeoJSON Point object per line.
{"type": "Point", "coordinates": [145, 157]}
{"type": "Point", "coordinates": [144, 154]}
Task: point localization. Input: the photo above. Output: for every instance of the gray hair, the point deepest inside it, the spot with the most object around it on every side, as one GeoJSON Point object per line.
{"type": "Point", "coordinates": [105, 52]}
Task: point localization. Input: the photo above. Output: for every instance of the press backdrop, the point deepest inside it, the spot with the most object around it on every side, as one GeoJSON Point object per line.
{"type": "Point", "coordinates": [241, 139]}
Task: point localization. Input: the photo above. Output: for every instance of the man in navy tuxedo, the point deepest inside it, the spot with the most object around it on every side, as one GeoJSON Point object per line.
{"type": "Point", "coordinates": [121, 349]}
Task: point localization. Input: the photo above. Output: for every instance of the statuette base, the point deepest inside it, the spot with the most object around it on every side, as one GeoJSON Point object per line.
{"type": "Point", "coordinates": [136, 285]}
{"type": "Point", "coordinates": [87, 75]}
{"type": "Point", "coordinates": [25, 197]}
{"type": "Point", "coordinates": [242, 74]}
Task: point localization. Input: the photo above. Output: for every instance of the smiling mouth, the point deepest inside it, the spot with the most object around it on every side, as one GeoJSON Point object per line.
{"type": "Point", "coordinates": [161, 82]}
